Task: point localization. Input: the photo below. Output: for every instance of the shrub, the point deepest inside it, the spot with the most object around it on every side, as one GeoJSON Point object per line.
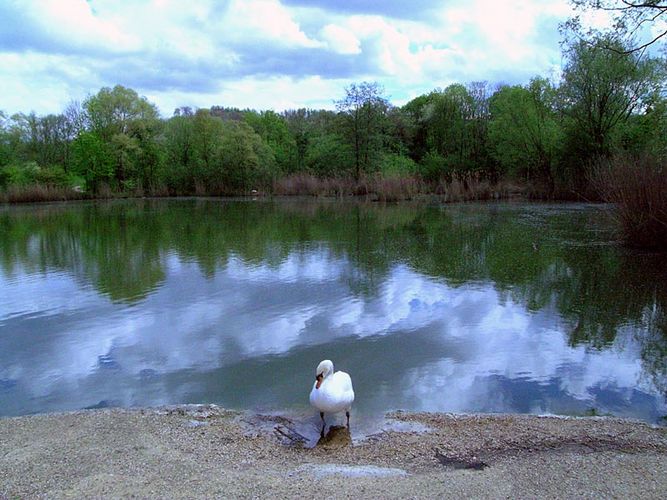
{"type": "Point", "coordinates": [432, 167]}
{"type": "Point", "coordinates": [637, 186]}
{"type": "Point", "coordinates": [393, 165]}
{"type": "Point", "coordinates": [22, 174]}
{"type": "Point", "coordinates": [52, 176]}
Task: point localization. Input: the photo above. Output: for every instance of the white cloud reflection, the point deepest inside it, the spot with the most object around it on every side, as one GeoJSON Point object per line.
{"type": "Point", "coordinates": [70, 354]}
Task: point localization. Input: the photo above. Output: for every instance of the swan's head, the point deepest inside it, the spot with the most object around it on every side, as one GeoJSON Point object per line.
{"type": "Point", "coordinates": [324, 369]}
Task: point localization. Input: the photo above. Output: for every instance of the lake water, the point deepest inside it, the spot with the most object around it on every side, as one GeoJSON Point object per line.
{"type": "Point", "coordinates": [526, 308]}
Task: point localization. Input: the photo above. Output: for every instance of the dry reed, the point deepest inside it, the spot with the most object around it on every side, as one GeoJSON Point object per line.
{"type": "Point", "coordinates": [637, 186]}
{"type": "Point", "coordinates": [40, 193]}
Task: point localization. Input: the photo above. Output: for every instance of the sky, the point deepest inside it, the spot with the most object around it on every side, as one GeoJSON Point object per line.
{"type": "Point", "coordinates": [267, 54]}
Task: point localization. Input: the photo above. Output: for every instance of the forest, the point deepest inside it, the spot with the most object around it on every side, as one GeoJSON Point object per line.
{"type": "Point", "coordinates": [597, 132]}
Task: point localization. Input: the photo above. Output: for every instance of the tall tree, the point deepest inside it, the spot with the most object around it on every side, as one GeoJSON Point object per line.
{"type": "Point", "coordinates": [6, 152]}
{"type": "Point", "coordinates": [208, 132]}
{"type": "Point", "coordinates": [446, 115]}
{"type": "Point", "coordinates": [478, 123]}
{"type": "Point", "coordinates": [417, 140]}
{"type": "Point", "coordinates": [602, 88]}
{"type": "Point", "coordinates": [244, 160]}
{"type": "Point", "coordinates": [272, 128]}
{"type": "Point", "coordinates": [364, 109]}
{"type": "Point", "coordinates": [179, 139]}
{"type": "Point", "coordinates": [524, 130]}
{"type": "Point", "coordinates": [114, 111]}
{"type": "Point", "coordinates": [92, 160]}
{"type": "Point", "coordinates": [455, 124]}
{"type": "Point", "coordinates": [123, 120]}
{"type": "Point", "coordinates": [298, 125]}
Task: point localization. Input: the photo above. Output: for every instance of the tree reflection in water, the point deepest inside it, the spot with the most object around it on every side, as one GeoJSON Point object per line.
{"type": "Point", "coordinates": [430, 284]}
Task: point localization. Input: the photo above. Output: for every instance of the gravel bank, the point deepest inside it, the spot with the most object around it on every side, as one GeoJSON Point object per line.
{"type": "Point", "coordinates": [205, 451]}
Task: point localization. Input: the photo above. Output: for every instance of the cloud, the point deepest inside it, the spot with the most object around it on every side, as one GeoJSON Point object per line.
{"type": "Point", "coordinates": [267, 19]}
{"type": "Point", "coordinates": [57, 26]}
{"type": "Point", "coordinates": [199, 53]}
{"type": "Point", "coordinates": [400, 9]}
{"type": "Point", "coordinates": [340, 40]}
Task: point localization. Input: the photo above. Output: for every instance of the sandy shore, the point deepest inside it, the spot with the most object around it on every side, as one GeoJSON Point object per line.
{"type": "Point", "coordinates": [205, 451]}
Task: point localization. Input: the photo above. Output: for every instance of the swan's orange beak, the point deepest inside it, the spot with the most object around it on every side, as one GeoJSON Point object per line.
{"type": "Point", "coordinates": [319, 379]}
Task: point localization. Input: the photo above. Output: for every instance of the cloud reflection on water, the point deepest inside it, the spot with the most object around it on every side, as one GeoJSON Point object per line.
{"type": "Point", "coordinates": [416, 343]}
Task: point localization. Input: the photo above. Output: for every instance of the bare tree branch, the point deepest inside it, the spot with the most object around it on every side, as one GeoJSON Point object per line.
{"type": "Point", "coordinates": [630, 18]}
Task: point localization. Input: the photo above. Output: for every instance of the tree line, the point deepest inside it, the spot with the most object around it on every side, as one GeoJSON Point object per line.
{"type": "Point", "coordinates": [545, 134]}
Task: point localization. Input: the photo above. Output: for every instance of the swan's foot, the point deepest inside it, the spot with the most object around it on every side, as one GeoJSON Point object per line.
{"type": "Point", "coordinates": [347, 414]}
{"type": "Point", "coordinates": [324, 424]}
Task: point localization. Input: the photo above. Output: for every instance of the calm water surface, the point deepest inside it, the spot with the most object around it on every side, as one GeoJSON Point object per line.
{"type": "Point", "coordinates": [468, 308]}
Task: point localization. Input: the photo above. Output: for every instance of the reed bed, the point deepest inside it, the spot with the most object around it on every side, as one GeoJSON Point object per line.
{"type": "Point", "coordinates": [39, 193]}
{"type": "Point", "coordinates": [392, 188]}
{"type": "Point", "coordinates": [637, 186]}
{"type": "Point", "coordinates": [458, 187]}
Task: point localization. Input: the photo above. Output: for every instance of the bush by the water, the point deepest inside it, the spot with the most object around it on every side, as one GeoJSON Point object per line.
{"type": "Point", "coordinates": [638, 188]}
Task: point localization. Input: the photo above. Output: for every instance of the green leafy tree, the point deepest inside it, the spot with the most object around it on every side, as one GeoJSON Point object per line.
{"type": "Point", "coordinates": [417, 141]}
{"type": "Point", "coordinates": [208, 133]}
{"type": "Point", "coordinates": [124, 121]}
{"type": "Point", "coordinates": [363, 111]}
{"type": "Point", "coordinates": [445, 115]}
{"type": "Point", "coordinates": [125, 152]}
{"type": "Point", "coordinates": [401, 128]}
{"type": "Point", "coordinates": [297, 122]}
{"type": "Point", "coordinates": [600, 90]}
{"type": "Point", "coordinates": [330, 155]}
{"type": "Point", "coordinates": [92, 159]}
{"type": "Point", "coordinates": [452, 131]}
{"type": "Point", "coordinates": [21, 137]}
{"type": "Point", "coordinates": [308, 128]}
{"type": "Point", "coordinates": [524, 130]}
{"type": "Point", "coordinates": [179, 151]}
{"type": "Point", "coordinates": [273, 130]}
{"type": "Point", "coordinates": [114, 111]}
{"type": "Point", "coordinates": [245, 161]}
{"type": "Point", "coordinates": [478, 126]}
{"type": "Point", "coordinates": [147, 154]}
{"type": "Point", "coordinates": [646, 133]}
{"type": "Point", "coordinates": [394, 165]}
{"type": "Point", "coordinates": [227, 156]}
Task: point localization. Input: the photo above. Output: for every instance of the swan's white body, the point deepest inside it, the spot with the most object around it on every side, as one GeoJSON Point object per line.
{"type": "Point", "coordinates": [334, 392]}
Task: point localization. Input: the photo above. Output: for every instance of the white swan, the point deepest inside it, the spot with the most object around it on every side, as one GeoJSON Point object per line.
{"type": "Point", "coordinates": [332, 392]}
